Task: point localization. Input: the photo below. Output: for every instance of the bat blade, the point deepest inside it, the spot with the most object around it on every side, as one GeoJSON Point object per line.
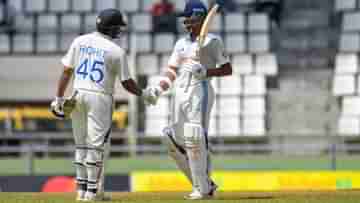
{"type": "Point", "coordinates": [206, 25]}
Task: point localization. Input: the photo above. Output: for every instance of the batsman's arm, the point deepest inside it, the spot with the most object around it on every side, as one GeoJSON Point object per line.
{"type": "Point", "coordinates": [122, 67]}
{"type": "Point", "coordinates": [169, 75]}
{"type": "Point", "coordinates": [222, 60]}
{"type": "Point", "coordinates": [224, 70]}
{"type": "Point", "coordinates": [131, 86]}
{"type": "Point", "coordinates": [64, 81]}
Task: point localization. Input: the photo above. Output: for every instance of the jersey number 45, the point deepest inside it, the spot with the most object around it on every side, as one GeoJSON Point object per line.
{"type": "Point", "coordinates": [95, 73]}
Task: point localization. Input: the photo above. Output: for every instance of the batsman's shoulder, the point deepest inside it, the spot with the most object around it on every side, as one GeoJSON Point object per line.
{"type": "Point", "coordinates": [82, 37]}
{"type": "Point", "coordinates": [119, 51]}
{"type": "Point", "coordinates": [179, 44]}
{"type": "Point", "coordinates": [212, 36]}
{"type": "Point", "coordinates": [180, 41]}
{"type": "Point", "coordinates": [212, 40]}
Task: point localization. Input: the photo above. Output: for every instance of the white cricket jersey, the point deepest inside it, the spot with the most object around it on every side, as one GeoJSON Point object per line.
{"type": "Point", "coordinates": [96, 60]}
{"type": "Point", "coordinates": [212, 55]}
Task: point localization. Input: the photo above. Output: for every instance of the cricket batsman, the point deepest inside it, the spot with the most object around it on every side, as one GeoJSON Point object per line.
{"type": "Point", "coordinates": [95, 60]}
{"type": "Point", "coordinates": [190, 74]}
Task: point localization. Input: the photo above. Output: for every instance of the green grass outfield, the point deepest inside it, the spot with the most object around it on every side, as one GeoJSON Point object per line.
{"type": "Point", "coordinates": [253, 197]}
{"type": "Point", "coordinates": [220, 162]}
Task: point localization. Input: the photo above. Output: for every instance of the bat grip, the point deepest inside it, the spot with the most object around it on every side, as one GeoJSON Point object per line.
{"type": "Point", "coordinates": [73, 96]}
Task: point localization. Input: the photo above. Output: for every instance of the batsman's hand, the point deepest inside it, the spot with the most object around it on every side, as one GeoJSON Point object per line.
{"type": "Point", "coordinates": [62, 108]}
{"type": "Point", "coordinates": [151, 95]}
{"type": "Point", "coordinates": [57, 107]}
{"type": "Point", "coordinates": [196, 68]}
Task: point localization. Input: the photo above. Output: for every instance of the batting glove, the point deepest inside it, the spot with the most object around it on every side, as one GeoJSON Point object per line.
{"type": "Point", "coordinates": [57, 107]}
{"type": "Point", "coordinates": [199, 71]}
{"type": "Point", "coordinates": [152, 94]}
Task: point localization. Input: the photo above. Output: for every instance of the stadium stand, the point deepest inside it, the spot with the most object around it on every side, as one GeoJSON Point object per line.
{"type": "Point", "coordinates": [346, 79]}
{"type": "Point", "coordinates": [304, 46]}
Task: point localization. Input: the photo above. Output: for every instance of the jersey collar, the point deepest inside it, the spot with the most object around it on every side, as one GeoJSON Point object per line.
{"type": "Point", "coordinates": [102, 35]}
{"type": "Point", "coordinates": [190, 38]}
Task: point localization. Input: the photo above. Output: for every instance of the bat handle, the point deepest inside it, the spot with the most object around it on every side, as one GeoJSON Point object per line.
{"type": "Point", "coordinates": [74, 95]}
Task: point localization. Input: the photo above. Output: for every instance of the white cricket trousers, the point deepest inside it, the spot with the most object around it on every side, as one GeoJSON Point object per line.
{"type": "Point", "coordinates": [192, 106]}
{"type": "Point", "coordinates": [92, 119]}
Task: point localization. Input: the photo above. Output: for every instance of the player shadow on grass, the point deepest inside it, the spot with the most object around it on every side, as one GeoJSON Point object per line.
{"type": "Point", "coordinates": [244, 197]}
{"type": "Point", "coordinates": [176, 196]}
{"type": "Point", "coordinates": [223, 196]}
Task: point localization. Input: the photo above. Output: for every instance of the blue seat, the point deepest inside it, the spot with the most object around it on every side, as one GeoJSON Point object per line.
{"type": "Point", "coordinates": [59, 6]}
{"type": "Point", "coordinates": [23, 43]}
{"type": "Point", "coordinates": [82, 5]}
{"type": "Point", "coordinates": [104, 4]}
{"type": "Point", "coordinates": [35, 5]}
{"type": "Point", "coordinates": [47, 43]}
{"type": "Point", "coordinates": [4, 43]}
